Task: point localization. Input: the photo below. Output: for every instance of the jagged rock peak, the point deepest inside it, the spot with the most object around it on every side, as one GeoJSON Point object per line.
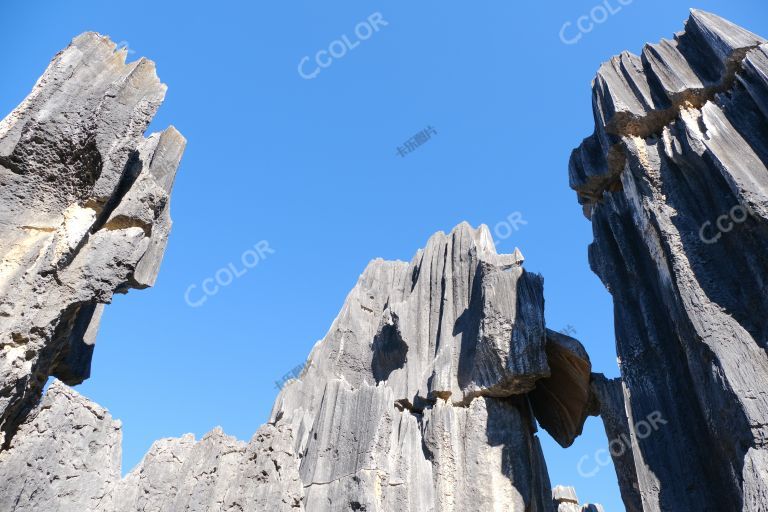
{"type": "Point", "coordinates": [637, 96]}
{"type": "Point", "coordinates": [418, 399]}
{"type": "Point", "coordinates": [66, 457]}
{"type": "Point", "coordinates": [565, 500]}
{"type": "Point", "coordinates": [455, 340]}
{"type": "Point", "coordinates": [84, 212]}
{"type": "Point", "coordinates": [466, 320]}
{"type": "Point", "coordinates": [675, 182]}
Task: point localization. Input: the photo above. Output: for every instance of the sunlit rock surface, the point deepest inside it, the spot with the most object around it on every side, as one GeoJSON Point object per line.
{"type": "Point", "coordinates": [675, 183]}
{"type": "Point", "coordinates": [418, 399]}
{"type": "Point", "coordinates": [422, 380]}
{"type": "Point", "coordinates": [565, 500]}
{"type": "Point", "coordinates": [84, 213]}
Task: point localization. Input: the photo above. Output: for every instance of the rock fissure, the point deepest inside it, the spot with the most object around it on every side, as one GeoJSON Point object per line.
{"type": "Point", "coordinates": [436, 372]}
{"type": "Point", "coordinates": [689, 333]}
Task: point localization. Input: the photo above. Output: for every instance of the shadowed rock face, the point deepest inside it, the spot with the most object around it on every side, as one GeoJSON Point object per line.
{"type": "Point", "coordinates": [562, 401]}
{"type": "Point", "coordinates": [418, 399]}
{"type": "Point", "coordinates": [84, 213]}
{"type": "Point", "coordinates": [460, 331]}
{"type": "Point", "coordinates": [675, 183]}
{"type": "Point", "coordinates": [609, 404]}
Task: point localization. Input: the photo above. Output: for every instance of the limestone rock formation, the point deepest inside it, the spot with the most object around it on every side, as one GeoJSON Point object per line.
{"type": "Point", "coordinates": [563, 400]}
{"type": "Point", "coordinates": [674, 181]}
{"type": "Point", "coordinates": [65, 457]}
{"type": "Point", "coordinates": [565, 500]}
{"type": "Point", "coordinates": [456, 340]}
{"type": "Point", "coordinates": [84, 213]}
{"type": "Point", "coordinates": [423, 396]}
{"type": "Point", "coordinates": [609, 404]}
{"type": "Point", "coordinates": [418, 399]}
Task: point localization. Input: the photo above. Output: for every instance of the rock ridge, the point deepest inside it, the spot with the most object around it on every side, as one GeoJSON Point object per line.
{"type": "Point", "coordinates": [685, 206]}
{"type": "Point", "coordinates": [637, 97]}
{"type": "Point", "coordinates": [458, 321]}
{"type": "Point", "coordinates": [84, 213]}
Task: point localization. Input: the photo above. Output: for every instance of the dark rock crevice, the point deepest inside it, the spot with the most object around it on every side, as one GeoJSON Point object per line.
{"type": "Point", "coordinates": [681, 246]}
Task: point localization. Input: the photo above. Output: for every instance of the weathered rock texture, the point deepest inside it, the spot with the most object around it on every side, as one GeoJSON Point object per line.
{"type": "Point", "coordinates": [84, 213]}
{"type": "Point", "coordinates": [418, 399]}
{"type": "Point", "coordinates": [65, 457]}
{"type": "Point", "coordinates": [423, 396]}
{"type": "Point", "coordinates": [609, 404]}
{"type": "Point", "coordinates": [675, 183]}
{"type": "Point", "coordinates": [565, 500]}
{"type": "Point", "coordinates": [455, 340]}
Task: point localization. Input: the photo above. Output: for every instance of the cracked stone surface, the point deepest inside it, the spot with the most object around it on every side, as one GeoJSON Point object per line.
{"type": "Point", "coordinates": [65, 457]}
{"type": "Point", "coordinates": [423, 380]}
{"type": "Point", "coordinates": [84, 213]}
{"type": "Point", "coordinates": [674, 181]}
{"type": "Point", "coordinates": [418, 399]}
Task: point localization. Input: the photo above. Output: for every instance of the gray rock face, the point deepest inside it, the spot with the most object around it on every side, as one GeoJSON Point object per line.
{"type": "Point", "coordinates": [418, 399]}
{"type": "Point", "coordinates": [418, 392]}
{"type": "Point", "coordinates": [216, 473]}
{"type": "Point", "coordinates": [675, 183]}
{"type": "Point", "coordinates": [84, 213]}
{"type": "Point", "coordinates": [423, 396]}
{"type": "Point", "coordinates": [610, 405]}
{"type": "Point", "coordinates": [565, 500]}
{"type": "Point", "coordinates": [65, 457]}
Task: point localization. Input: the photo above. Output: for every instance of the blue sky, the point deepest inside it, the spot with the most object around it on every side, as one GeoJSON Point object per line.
{"type": "Point", "coordinates": [311, 167]}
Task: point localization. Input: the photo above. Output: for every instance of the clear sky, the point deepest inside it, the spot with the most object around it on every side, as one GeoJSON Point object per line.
{"type": "Point", "coordinates": [311, 167]}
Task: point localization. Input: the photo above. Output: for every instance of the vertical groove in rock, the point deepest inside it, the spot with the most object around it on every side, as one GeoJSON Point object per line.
{"type": "Point", "coordinates": [84, 213]}
{"type": "Point", "coordinates": [423, 396]}
{"type": "Point", "coordinates": [384, 417]}
{"type": "Point", "coordinates": [675, 183]}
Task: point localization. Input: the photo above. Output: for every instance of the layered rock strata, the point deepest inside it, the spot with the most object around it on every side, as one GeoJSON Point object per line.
{"type": "Point", "coordinates": [84, 213]}
{"type": "Point", "coordinates": [674, 181]}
